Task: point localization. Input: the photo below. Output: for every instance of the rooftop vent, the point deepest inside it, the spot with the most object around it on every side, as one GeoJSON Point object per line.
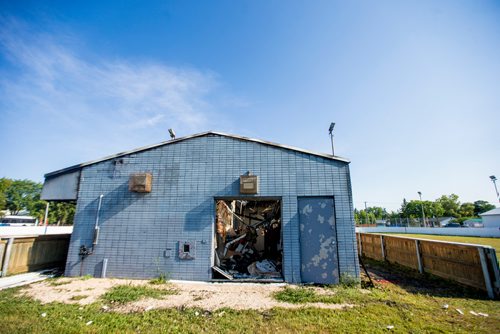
{"type": "Point", "coordinates": [140, 182]}
{"type": "Point", "coordinates": [249, 184]}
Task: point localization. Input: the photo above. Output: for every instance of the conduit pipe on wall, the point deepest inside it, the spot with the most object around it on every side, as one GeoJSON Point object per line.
{"type": "Point", "coordinates": [96, 228]}
{"type": "Point", "coordinates": [104, 268]}
{"type": "Point", "coordinates": [84, 251]}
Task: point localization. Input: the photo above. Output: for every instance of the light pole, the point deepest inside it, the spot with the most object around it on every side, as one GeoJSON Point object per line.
{"type": "Point", "coordinates": [45, 219]}
{"type": "Point", "coordinates": [422, 205]}
{"type": "Point", "coordinates": [494, 180]}
{"type": "Point", "coordinates": [172, 133]}
{"type": "Point", "coordinates": [366, 214]}
{"type": "Point", "coordinates": [330, 130]}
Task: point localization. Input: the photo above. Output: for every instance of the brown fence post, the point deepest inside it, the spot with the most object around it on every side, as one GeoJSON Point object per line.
{"type": "Point", "coordinates": [3, 245]}
{"type": "Point", "coordinates": [493, 265]}
{"type": "Point", "coordinates": [419, 257]}
{"type": "Point", "coordinates": [8, 250]}
{"type": "Point", "coordinates": [382, 246]}
{"type": "Point", "coordinates": [360, 245]}
{"type": "Point", "coordinates": [486, 274]}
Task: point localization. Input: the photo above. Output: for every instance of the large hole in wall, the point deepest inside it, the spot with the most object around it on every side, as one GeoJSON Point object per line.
{"type": "Point", "coordinates": [248, 241]}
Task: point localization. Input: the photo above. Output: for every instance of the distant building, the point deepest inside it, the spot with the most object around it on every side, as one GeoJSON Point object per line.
{"type": "Point", "coordinates": [443, 221]}
{"type": "Point", "coordinates": [473, 222]}
{"type": "Point", "coordinates": [13, 220]}
{"type": "Point", "coordinates": [491, 218]}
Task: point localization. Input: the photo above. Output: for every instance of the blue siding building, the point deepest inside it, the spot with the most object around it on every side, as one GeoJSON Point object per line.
{"type": "Point", "coordinates": [173, 228]}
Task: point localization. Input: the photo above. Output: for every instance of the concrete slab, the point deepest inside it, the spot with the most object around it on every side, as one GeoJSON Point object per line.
{"type": "Point", "coordinates": [24, 279]}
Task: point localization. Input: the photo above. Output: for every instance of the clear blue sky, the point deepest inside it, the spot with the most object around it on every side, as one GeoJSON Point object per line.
{"type": "Point", "coordinates": [414, 86]}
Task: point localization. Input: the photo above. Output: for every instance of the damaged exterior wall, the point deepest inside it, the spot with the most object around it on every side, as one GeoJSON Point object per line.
{"type": "Point", "coordinates": [140, 233]}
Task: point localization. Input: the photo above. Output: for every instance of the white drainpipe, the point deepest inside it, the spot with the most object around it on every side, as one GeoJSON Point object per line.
{"type": "Point", "coordinates": [96, 228]}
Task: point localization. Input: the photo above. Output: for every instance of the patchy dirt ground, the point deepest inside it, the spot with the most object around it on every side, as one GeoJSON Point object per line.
{"type": "Point", "coordinates": [206, 296]}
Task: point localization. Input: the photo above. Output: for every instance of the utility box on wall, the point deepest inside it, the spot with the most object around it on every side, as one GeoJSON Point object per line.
{"type": "Point", "coordinates": [249, 184]}
{"type": "Point", "coordinates": [187, 250]}
{"type": "Point", "coordinates": [140, 182]}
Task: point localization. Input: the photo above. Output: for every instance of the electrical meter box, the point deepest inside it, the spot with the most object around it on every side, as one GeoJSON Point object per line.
{"type": "Point", "coordinates": [249, 184]}
{"type": "Point", "coordinates": [140, 182]}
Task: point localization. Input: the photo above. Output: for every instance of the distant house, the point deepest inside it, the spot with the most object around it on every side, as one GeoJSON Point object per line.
{"type": "Point", "coordinates": [491, 218]}
{"type": "Point", "coordinates": [439, 221]}
{"type": "Point", "coordinates": [443, 221]}
{"type": "Point", "coordinates": [473, 222]}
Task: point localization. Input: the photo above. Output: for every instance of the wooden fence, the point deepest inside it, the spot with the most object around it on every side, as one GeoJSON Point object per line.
{"type": "Point", "coordinates": [26, 254]}
{"type": "Point", "coordinates": [472, 265]}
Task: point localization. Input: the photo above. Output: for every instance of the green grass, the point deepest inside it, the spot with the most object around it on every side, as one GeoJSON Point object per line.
{"type": "Point", "coordinates": [78, 297]}
{"type": "Point", "coordinates": [162, 279]}
{"type": "Point", "coordinates": [122, 294]}
{"type": "Point", "coordinates": [493, 242]}
{"type": "Point", "coordinates": [406, 306]}
{"type": "Point", "coordinates": [296, 295]}
{"type": "Point", "coordinates": [56, 281]}
{"type": "Point", "coordinates": [336, 295]}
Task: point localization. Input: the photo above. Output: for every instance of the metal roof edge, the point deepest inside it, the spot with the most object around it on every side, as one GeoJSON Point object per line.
{"type": "Point", "coordinates": [492, 212]}
{"type": "Point", "coordinates": [292, 148]}
{"type": "Point", "coordinates": [172, 141]}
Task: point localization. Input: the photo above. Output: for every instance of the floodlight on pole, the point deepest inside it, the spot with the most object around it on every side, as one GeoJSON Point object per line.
{"type": "Point", "coordinates": [330, 131]}
{"type": "Point", "coordinates": [172, 133]}
{"type": "Point", "coordinates": [422, 205]}
{"type": "Point", "coordinates": [494, 180]}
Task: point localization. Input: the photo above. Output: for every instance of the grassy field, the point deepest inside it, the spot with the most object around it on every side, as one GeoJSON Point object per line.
{"type": "Point", "coordinates": [122, 294]}
{"type": "Point", "coordinates": [413, 305]}
{"type": "Point", "coordinates": [493, 242]}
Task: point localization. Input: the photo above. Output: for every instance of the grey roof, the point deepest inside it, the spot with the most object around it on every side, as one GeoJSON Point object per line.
{"type": "Point", "coordinates": [173, 141]}
{"type": "Point", "coordinates": [493, 212]}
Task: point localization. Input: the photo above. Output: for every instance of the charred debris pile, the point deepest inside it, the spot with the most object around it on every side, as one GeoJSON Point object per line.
{"type": "Point", "coordinates": [248, 243]}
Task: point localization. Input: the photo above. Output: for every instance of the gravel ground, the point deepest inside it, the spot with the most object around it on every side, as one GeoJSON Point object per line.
{"type": "Point", "coordinates": [206, 296]}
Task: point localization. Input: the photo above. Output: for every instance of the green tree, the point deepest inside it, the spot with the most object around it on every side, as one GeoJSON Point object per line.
{"type": "Point", "coordinates": [62, 213]}
{"type": "Point", "coordinates": [394, 215]}
{"type": "Point", "coordinates": [357, 219]}
{"type": "Point", "coordinates": [413, 209]}
{"type": "Point", "coordinates": [466, 210]}
{"type": "Point", "coordinates": [481, 206]}
{"type": "Point", "coordinates": [37, 210]}
{"type": "Point", "coordinates": [18, 195]}
{"type": "Point", "coordinates": [450, 204]}
{"type": "Point", "coordinates": [403, 207]}
{"type": "Point", "coordinates": [22, 195]}
{"type": "Point", "coordinates": [435, 209]}
{"type": "Point", "coordinates": [364, 217]}
{"type": "Point", "coordinates": [378, 212]}
{"type": "Point", "coordinates": [445, 206]}
{"type": "Point", "coordinates": [4, 185]}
